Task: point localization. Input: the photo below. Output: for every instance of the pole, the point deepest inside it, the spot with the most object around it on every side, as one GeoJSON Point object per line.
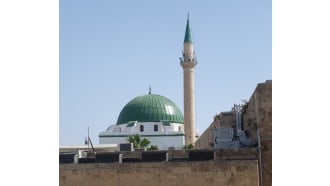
{"type": "Point", "coordinates": [88, 136]}
{"type": "Point", "coordinates": [91, 143]}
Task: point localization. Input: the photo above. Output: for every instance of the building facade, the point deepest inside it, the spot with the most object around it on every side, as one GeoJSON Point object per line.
{"type": "Point", "coordinates": [151, 116]}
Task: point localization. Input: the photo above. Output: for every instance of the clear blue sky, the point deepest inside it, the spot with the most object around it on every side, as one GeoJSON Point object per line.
{"type": "Point", "coordinates": [111, 51]}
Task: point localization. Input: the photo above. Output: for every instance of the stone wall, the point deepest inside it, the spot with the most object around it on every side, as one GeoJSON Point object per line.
{"type": "Point", "coordinates": [258, 111]}
{"type": "Point", "coordinates": [224, 119]}
{"type": "Point", "coordinates": [206, 140]}
{"type": "Point", "coordinates": [258, 115]}
{"type": "Point", "coordinates": [229, 172]}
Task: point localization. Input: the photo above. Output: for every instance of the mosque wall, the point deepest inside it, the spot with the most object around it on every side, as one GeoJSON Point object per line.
{"type": "Point", "coordinates": [229, 172]}
{"type": "Point", "coordinates": [149, 128]}
{"type": "Point", "coordinates": [163, 142]}
{"type": "Point", "coordinates": [164, 136]}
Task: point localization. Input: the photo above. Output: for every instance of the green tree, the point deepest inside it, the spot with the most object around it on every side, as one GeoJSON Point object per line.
{"type": "Point", "coordinates": [137, 142]}
{"type": "Point", "coordinates": [144, 143]}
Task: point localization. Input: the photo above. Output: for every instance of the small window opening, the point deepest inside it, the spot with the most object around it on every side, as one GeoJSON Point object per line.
{"type": "Point", "coordinates": [156, 128]}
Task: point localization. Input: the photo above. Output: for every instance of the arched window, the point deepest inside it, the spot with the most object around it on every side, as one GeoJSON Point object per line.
{"type": "Point", "coordinates": [156, 128]}
{"type": "Point", "coordinates": [141, 128]}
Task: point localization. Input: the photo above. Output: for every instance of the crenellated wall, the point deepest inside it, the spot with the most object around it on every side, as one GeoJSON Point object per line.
{"type": "Point", "coordinates": [229, 172]}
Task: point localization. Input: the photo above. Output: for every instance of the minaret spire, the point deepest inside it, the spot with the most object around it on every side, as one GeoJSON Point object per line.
{"type": "Point", "coordinates": [187, 36]}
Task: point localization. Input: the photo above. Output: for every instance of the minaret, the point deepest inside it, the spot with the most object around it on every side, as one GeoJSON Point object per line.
{"type": "Point", "coordinates": [188, 62]}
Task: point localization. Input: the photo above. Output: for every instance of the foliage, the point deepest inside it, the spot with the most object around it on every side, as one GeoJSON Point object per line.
{"type": "Point", "coordinates": [216, 117]}
{"type": "Point", "coordinates": [153, 147]}
{"type": "Point", "coordinates": [244, 106]}
{"type": "Point", "coordinates": [137, 142]}
{"type": "Point", "coordinates": [188, 146]}
{"type": "Point", "coordinates": [144, 143]}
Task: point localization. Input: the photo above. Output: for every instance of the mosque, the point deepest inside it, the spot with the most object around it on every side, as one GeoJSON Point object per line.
{"type": "Point", "coordinates": [156, 117]}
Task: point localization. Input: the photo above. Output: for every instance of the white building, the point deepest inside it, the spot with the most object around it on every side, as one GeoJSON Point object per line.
{"type": "Point", "coordinates": [151, 116]}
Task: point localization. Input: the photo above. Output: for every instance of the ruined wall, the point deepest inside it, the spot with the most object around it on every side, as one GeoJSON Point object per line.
{"type": "Point", "coordinates": [229, 172]}
{"type": "Point", "coordinates": [227, 119]}
{"type": "Point", "coordinates": [259, 109]}
{"type": "Point", "coordinates": [206, 140]}
{"type": "Point", "coordinates": [224, 119]}
{"type": "Point", "coordinates": [258, 114]}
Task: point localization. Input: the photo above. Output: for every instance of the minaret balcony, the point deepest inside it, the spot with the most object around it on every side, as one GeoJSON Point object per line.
{"type": "Point", "coordinates": [188, 62]}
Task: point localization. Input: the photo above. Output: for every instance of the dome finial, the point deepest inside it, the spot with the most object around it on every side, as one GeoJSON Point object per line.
{"type": "Point", "coordinates": [149, 89]}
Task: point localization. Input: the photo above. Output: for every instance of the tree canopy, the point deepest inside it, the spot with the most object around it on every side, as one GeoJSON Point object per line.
{"type": "Point", "coordinates": [141, 143]}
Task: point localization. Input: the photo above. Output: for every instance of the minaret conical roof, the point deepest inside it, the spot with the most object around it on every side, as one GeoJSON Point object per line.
{"type": "Point", "coordinates": [187, 36]}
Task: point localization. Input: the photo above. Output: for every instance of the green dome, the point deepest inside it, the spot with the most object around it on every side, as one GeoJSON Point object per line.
{"type": "Point", "coordinates": [150, 108]}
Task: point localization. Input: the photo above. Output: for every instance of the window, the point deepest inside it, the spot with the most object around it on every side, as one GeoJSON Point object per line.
{"type": "Point", "coordinates": [179, 128]}
{"type": "Point", "coordinates": [141, 128]}
{"type": "Point", "coordinates": [156, 128]}
{"type": "Point", "coordinates": [119, 129]}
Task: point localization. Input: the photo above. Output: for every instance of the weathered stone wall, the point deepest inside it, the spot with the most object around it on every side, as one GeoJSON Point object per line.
{"type": "Point", "coordinates": [229, 172]}
{"type": "Point", "coordinates": [259, 111]}
{"type": "Point", "coordinates": [206, 140]}
{"type": "Point", "coordinates": [224, 119]}
{"type": "Point", "coordinates": [227, 119]}
{"type": "Point", "coordinates": [258, 114]}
